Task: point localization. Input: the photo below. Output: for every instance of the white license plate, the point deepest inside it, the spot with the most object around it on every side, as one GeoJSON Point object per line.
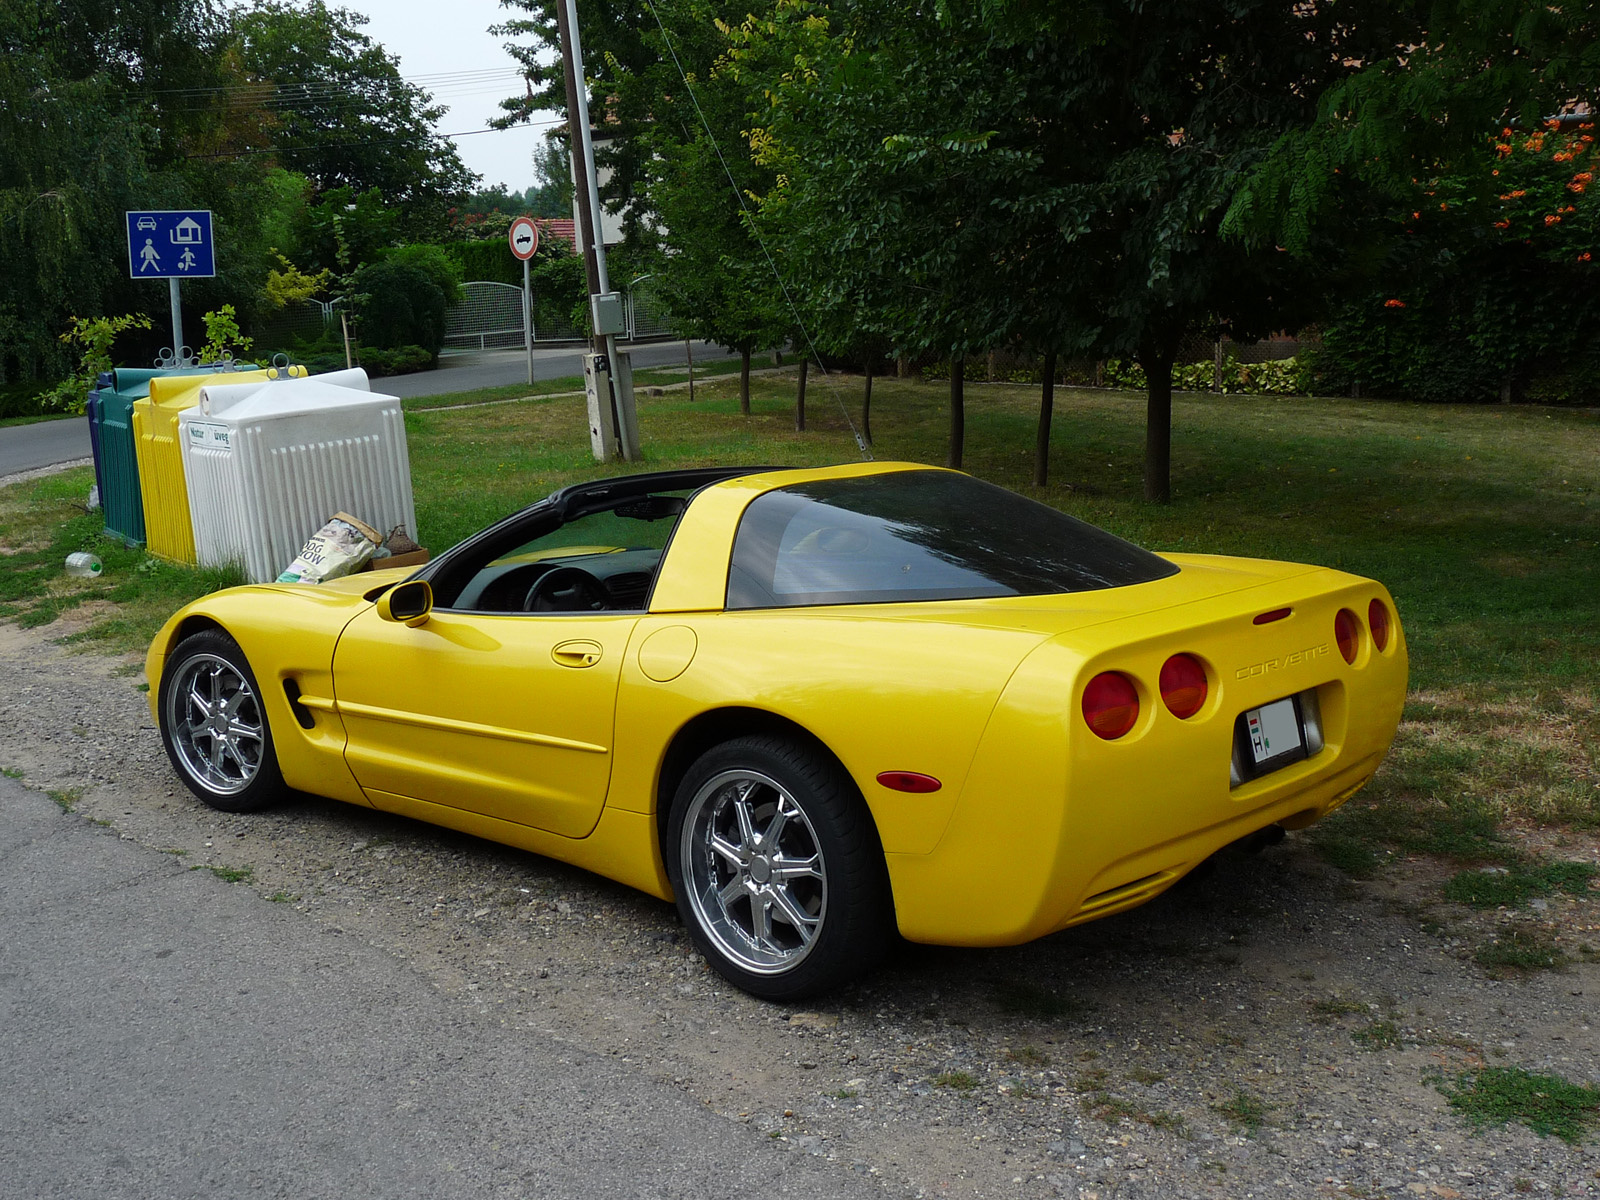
{"type": "Point", "coordinates": [1273, 729]}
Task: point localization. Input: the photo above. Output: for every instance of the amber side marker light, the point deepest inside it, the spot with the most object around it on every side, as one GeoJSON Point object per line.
{"type": "Point", "coordinates": [1268, 618]}
{"type": "Point", "coordinates": [1110, 705]}
{"type": "Point", "coordinates": [1378, 622]}
{"type": "Point", "coordinates": [1183, 685]}
{"type": "Point", "coordinates": [909, 781]}
{"type": "Point", "coordinates": [1347, 632]}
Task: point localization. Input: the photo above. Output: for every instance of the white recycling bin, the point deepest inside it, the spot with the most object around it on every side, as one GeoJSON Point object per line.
{"type": "Point", "coordinates": [268, 463]}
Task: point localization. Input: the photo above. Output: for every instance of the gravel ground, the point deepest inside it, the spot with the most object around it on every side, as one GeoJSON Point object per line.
{"type": "Point", "coordinates": [1273, 1029]}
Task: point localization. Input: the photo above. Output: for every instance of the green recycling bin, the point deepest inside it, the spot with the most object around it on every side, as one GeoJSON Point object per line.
{"type": "Point", "coordinates": [120, 497]}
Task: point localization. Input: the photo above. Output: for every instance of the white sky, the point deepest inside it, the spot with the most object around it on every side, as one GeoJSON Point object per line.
{"type": "Point", "coordinates": [431, 38]}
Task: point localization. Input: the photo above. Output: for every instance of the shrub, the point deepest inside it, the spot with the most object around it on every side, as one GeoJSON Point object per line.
{"type": "Point", "coordinates": [1282, 377]}
{"type": "Point", "coordinates": [95, 335]}
{"type": "Point", "coordinates": [399, 304]}
{"type": "Point", "coordinates": [402, 360]}
{"type": "Point", "coordinates": [439, 266]}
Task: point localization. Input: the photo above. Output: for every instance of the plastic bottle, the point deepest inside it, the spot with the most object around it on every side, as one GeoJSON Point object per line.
{"type": "Point", "coordinates": [84, 565]}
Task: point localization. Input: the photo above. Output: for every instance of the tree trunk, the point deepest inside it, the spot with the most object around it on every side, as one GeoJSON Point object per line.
{"type": "Point", "coordinates": [800, 397]}
{"type": "Point", "coordinates": [958, 409]}
{"type": "Point", "coordinates": [1157, 364]}
{"type": "Point", "coordinates": [688, 352]}
{"type": "Point", "coordinates": [744, 382]}
{"type": "Point", "coordinates": [1047, 404]}
{"type": "Point", "coordinates": [866, 407]}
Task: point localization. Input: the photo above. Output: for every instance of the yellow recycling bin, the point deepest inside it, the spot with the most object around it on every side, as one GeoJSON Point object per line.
{"type": "Point", "coordinates": [169, 531]}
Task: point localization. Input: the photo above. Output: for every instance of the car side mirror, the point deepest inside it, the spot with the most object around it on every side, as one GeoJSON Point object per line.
{"type": "Point", "coordinates": [409, 602]}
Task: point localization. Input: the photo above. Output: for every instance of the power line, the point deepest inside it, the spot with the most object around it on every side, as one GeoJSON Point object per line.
{"type": "Point", "coordinates": [354, 145]}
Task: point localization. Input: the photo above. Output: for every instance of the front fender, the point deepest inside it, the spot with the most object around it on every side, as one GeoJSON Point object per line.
{"type": "Point", "coordinates": [287, 634]}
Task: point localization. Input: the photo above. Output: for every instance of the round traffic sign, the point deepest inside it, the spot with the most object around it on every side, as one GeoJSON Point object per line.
{"type": "Point", "coordinates": [524, 238]}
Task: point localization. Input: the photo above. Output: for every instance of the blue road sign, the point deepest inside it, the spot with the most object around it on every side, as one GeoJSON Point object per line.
{"type": "Point", "coordinates": [170, 245]}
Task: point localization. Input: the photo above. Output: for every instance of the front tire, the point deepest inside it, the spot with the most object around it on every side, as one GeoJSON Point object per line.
{"type": "Point", "coordinates": [777, 868]}
{"type": "Point", "coordinates": [214, 726]}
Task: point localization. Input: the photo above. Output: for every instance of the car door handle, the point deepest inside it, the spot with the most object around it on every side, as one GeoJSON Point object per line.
{"type": "Point", "coordinates": [577, 654]}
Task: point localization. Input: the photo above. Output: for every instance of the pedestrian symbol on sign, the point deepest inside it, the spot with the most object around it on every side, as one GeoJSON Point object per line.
{"type": "Point", "coordinates": [149, 257]}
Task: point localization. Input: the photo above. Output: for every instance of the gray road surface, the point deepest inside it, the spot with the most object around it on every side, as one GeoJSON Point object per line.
{"type": "Point", "coordinates": [28, 447]}
{"type": "Point", "coordinates": [494, 368]}
{"type": "Point", "coordinates": [166, 1034]}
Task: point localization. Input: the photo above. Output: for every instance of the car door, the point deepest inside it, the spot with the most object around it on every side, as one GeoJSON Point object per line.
{"type": "Point", "coordinates": [510, 715]}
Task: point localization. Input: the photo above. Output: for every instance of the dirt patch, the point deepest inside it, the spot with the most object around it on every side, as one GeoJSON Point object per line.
{"type": "Point", "coordinates": [1274, 1029]}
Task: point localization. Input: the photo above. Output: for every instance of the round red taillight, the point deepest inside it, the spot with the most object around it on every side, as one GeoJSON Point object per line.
{"type": "Point", "coordinates": [1347, 632]}
{"type": "Point", "coordinates": [1110, 705]}
{"type": "Point", "coordinates": [1183, 685]}
{"type": "Point", "coordinates": [1378, 622]}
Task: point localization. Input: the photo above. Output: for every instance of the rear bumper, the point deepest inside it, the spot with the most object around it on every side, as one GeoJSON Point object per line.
{"type": "Point", "coordinates": [1055, 827]}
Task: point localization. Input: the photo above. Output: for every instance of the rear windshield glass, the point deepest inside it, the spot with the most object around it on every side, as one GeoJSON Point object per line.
{"type": "Point", "coordinates": [919, 535]}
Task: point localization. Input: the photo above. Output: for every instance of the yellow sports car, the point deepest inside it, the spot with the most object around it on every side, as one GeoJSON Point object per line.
{"type": "Point", "coordinates": [814, 707]}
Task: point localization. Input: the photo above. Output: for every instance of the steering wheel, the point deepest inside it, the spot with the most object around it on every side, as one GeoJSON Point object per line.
{"type": "Point", "coordinates": [566, 589]}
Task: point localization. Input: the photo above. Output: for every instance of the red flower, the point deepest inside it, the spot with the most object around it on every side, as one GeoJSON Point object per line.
{"type": "Point", "coordinates": [1394, 303]}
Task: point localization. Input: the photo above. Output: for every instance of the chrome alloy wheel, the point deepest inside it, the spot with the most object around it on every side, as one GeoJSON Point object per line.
{"type": "Point", "coordinates": [215, 725]}
{"type": "Point", "coordinates": [757, 883]}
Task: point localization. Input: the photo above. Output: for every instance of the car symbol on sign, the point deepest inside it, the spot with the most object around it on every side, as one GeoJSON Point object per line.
{"type": "Point", "coordinates": [145, 223]}
{"type": "Point", "coordinates": [524, 238]}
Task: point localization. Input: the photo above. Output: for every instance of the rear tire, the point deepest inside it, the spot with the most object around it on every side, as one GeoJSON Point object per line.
{"type": "Point", "coordinates": [777, 868]}
{"type": "Point", "coordinates": [214, 726]}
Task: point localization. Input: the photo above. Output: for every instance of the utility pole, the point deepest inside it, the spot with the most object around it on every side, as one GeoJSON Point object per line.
{"type": "Point", "coordinates": [607, 375]}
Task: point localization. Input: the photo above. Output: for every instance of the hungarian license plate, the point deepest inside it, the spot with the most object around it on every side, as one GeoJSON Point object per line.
{"type": "Point", "coordinates": [1274, 730]}
{"type": "Point", "coordinates": [1271, 737]}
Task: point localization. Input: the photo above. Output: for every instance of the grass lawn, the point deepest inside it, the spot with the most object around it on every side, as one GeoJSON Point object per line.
{"type": "Point", "coordinates": [1481, 520]}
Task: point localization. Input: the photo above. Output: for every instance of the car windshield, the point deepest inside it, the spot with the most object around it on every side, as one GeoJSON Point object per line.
{"type": "Point", "coordinates": [919, 535]}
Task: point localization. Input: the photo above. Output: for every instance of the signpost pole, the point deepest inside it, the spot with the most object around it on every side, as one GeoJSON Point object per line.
{"type": "Point", "coordinates": [177, 321]}
{"type": "Point", "coordinates": [527, 318]}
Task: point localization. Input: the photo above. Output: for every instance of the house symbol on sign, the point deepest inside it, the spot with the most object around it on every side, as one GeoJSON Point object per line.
{"type": "Point", "coordinates": [188, 232]}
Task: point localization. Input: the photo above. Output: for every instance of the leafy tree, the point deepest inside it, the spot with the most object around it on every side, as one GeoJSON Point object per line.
{"type": "Point", "coordinates": [692, 220]}
{"type": "Point", "coordinates": [343, 115]}
{"type": "Point", "coordinates": [615, 35]}
{"type": "Point", "coordinates": [552, 165]}
{"type": "Point", "coordinates": [1487, 273]}
{"type": "Point", "coordinates": [1018, 171]}
{"type": "Point", "coordinates": [287, 284]}
{"type": "Point", "coordinates": [1461, 218]}
{"type": "Point", "coordinates": [93, 123]}
{"type": "Point", "coordinates": [347, 228]}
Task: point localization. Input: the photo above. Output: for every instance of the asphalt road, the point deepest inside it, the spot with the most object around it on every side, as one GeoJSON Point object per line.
{"type": "Point", "coordinates": [465, 372]}
{"type": "Point", "coordinates": [43, 444]}
{"type": "Point", "coordinates": [30, 447]}
{"type": "Point", "coordinates": [167, 1034]}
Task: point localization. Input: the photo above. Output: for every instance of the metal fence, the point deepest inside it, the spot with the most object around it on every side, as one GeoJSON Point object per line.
{"type": "Point", "coordinates": [305, 321]}
{"type": "Point", "coordinates": [490, 317]}
{"type": "Point", "coordinates": [647, 315]}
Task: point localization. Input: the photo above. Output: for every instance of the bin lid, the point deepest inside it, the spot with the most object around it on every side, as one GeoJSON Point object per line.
{"type": "Point", "coordinates": [255, 402]}
{"type": "Point", "coordinates": [183, 391]}
{"type": "Point", "coordinates": [133, 383]}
